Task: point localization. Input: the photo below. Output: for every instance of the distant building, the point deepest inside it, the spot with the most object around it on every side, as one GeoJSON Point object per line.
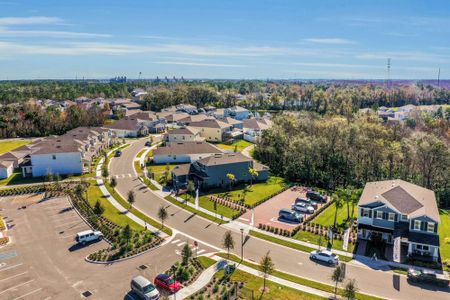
{"type": "Point", "coordinates": [212, 129]}
{"type": "Point", "coordinates": [184, 134]}
{"type": "Point", "coordinates": [237, 112]}
{"type": "Point", "coordinates": [253, 128]}
{"type": "Point", "coordinates": [128, 128]}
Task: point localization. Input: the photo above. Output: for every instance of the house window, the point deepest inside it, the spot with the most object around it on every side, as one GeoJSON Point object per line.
{"type": "Point", "coordinates": [365, 212]}
{"type": "Point", "coordinates": [430, 227]}
{"type": "Point", "coordinates": [391, 217]}
{"type": "Point", "coordinates": [379, 214]}
{"type": "Point", "coordinates": [404, 217]}
{"type": "Point", "coordinates": [53, 156]}
{"type": "Point", "coordinates": [417, 224]}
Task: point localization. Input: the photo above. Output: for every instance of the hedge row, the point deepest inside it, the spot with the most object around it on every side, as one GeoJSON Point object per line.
{"type": "Point", "coordinates": [227, 203]}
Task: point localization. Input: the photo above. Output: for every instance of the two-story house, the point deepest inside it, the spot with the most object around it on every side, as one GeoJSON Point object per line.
{"type": "Point", "coordinates": [402, 215]}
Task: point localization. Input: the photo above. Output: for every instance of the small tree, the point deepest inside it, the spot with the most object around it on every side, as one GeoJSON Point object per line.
{"type": "Point", "coordinates": [231, 179]}
{"type": "Point", "coordinates": [105, 172]}
{"type": "Point", "coordinates": [337, 277]}
{"type": "Point", "coordinates": [131, 198]}
{"type": "Point", "coordinates": [228, 242]}
{"type": "Point", "coordinates": [191, 188]}
{"type": "Point", "coordinates": [113, 182]}
{"type": "Point", "coordinates": [162, 215]}
{"type": "Point", "coordinates": [186, 254]}
{"type": "Point", "coordinates": [127, 233]}
{"type": "Point", "coordinates": [337, 206]}
{"type": "Point", "coordinates": [98, 208]}
{"type": "Point", "coordinates": [266, 267]}
{"type": "Point", "coordinates": [350, 289]}
{"type": "Point", "coordinates": [253, 174]}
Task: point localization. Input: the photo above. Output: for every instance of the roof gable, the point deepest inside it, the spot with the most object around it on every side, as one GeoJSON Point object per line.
{"type": "Point", "coordinates": [401, 200]}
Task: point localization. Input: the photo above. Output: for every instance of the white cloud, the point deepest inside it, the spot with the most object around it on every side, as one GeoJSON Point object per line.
{"type": "Point", "coordinates": [50, 33]}
{"type": "Point", "coordinates": [34, 20]}
{"type": "Point", "coordinates": [406, 56]}
{"type": "Point", "coordinates": [330, 41]}
{"type": "Point", "coordinates": [197, 64]}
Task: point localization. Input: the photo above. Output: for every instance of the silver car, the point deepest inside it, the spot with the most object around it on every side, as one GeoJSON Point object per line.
{"type": "Point", "coordinates": [144, 288]}
{"type": "Point", "coordinates": [303, 207]}
{"type": "Point", "coordinates": [325, 256]}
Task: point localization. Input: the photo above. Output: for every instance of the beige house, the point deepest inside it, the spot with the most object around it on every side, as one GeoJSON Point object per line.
{"type": "Point", "coordinates": [212, 130]}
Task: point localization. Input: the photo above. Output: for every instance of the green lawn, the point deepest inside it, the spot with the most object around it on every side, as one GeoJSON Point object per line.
{"type": "Point", "coordinates": [256, 192]}
{"type": "Point", "coordinates": [16, 178]}
{"type": "Point", "coordinates": [314, 239]}
{"type": "Point", "coordinates": [193, 210]}
{"type": "Point", "coordinates": [206, 262]}
{"type": "Point", "coordinates": [326, 218]}
{"type": "Point", "coordinates": [111, 213]}
{"type": "Point", "coordinates": [296, 279]}
{"type": "Point", "coordinates": [205, 203]}
{"type": "Point", "coordinates": [444, 236]}
{"type": "Point", "coordinates": [135, 211]}
{"type": "Point", "coordinates": [6, 146]}
{"type": "Point", "coordinates": [240, 144]}
{"type": "Point", "coordinates": [140, 153]}
{"type": "Point", "coordinates": [307, 238]}
{"type": "Point", "coordinates": [158, 170]}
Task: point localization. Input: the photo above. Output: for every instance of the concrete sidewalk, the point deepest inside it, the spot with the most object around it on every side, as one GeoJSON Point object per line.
{"type": "Point", "coordinates": [201, 281]}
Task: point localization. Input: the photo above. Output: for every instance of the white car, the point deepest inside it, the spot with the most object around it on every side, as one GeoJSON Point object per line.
{"type": "Point", "coordinates": [144, 288]}
{"type": "Point", "coordinates": [87, 236]}
{"type": "Point", "coordinates": [325, 256]}
{"type": "Point", "coordinates": [303, 207]}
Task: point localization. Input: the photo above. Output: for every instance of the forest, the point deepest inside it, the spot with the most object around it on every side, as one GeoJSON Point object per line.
{"type": "Point", "coordinates": [333, 151]}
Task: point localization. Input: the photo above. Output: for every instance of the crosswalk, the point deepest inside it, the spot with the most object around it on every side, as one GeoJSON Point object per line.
{"type": "Point", "coordinates": [123, 176]}
{"type": "Point", "coordinates": [179, 243]}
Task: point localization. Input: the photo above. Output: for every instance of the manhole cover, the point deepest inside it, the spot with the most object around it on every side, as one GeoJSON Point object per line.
{"type": "Point", "coordinates": [142, 267]}
{"type": "Point", "coordinates": [86, 294]}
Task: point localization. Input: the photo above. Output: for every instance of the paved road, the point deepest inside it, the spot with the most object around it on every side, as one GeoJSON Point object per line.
{"type": "Point", "coordinates": [42, 261]}
{"type": "Point", "coordinates": [377, 282]}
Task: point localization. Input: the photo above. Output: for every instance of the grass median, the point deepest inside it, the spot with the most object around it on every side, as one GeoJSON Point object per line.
{"type": "Point", "coordinates": [289, 244]}
{"type": "Point", "coordinates": [300, 280]}
{"type": "Point", "coordinates": [135, 211]}
{"type": "Point", "coordinates": [193, 210]}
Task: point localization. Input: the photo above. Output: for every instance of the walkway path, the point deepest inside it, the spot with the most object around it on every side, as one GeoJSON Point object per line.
{"type": "Point", "coordinates": [246, 151]}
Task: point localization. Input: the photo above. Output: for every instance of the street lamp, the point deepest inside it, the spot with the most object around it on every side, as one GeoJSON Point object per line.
{"type": "Point", "coordinates": [242, 243]}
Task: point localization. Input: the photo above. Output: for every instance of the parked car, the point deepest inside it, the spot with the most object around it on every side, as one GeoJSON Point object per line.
{"type": "Point", "coordinates": [316, 196]}
{"type": "Point", "coordinates": [88, 236]}
{"type": "Point", "coordinates": [290, 215]}
{"type": "Point", "coordinates": [167, 282]}
{"type": "Point", "coordinates": [426, 276]}
{"type": "Point", "coordinates": [303, 207]}
{"type": "Point", "coordinates": [143, 287]}
{"type": "Point", "coordinates": [307, 201]}
{"type": "Point", "coordinates": [148, 144]}
{"type": "Point", "coordinates": [118, 153]}
{"type": "Point", "coordinates": [325, 256]}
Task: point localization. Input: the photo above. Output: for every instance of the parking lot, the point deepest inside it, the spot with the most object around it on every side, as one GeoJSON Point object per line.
{"type": "Point", "coordinates": [267, 213]}
{"type": "Point", "coordinates": [43, 261]}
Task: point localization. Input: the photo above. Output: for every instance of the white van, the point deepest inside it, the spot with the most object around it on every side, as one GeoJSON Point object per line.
{"type": "Point", "coordinates": [88, 236]}
{"type": "Point", "coordinates": [144, 288]}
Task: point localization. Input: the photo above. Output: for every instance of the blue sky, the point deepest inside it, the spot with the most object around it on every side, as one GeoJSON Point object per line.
{"type": "Point", "coordinates": [242, 39]}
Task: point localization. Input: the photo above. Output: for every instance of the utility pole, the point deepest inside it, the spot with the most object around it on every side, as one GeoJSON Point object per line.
{"type": "Point", "coordinates": [439, 78]}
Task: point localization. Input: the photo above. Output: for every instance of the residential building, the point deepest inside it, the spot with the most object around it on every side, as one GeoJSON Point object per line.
{"type": "Point", "coordinates": [212, 130]}
{"type": "Point", "coordinates": [401, 216]}
{"type": "Point", "coordinates": [253, 128]}
{"type": "Point", "coordinates": [6, 169]}
{"type": "Point", "coordinates": [212, 171]}
{"type": "Point", "coordinates": [183, 134]}
{"type": "Point", "coordinates": [238, 112]}
{"type": "Point", "coordinates": [193, 118]}
{"type": "Point", "coordinates": [233, 122]}
{"type": "Point", "coordinates": [128, 128]}
{"type": "Point", "coordinates": [183, 152]}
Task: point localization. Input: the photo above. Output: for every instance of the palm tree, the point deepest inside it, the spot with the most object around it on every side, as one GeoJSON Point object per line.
{"type": "Point", "coordinates": [228, 242]}
{"type": "Point", "coordinates": [350, 289]}
{"type": "Point", "coordinates": [162, 215]}
{"type": "Point", "coordinates": [231, 178]}
{"type": "Point", "coordinates": [253, 174]}
{"type": "Point", "coordinates": [337, 277]}
{"type": "Point", "coordinates": [266, 267]}
{"type": "Point", "coordinates": [337, 206]}
{"type": "Point", "coordinates": [131, 198]}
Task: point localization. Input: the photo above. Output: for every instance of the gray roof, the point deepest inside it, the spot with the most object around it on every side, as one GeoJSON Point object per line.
{"type": "Point", "coordinates": [181, 170]}
{"type": "Point", "coordinates": [255, 124]}
{"type": "Point", "coordinates": [231, 121]}
{"type": "Point", "coordinates": [125, 124]}
{"type": "Point", "coordinates": [225, 158]}
{"type": "Point", "coordinates": [402, 196]}
{"type": "Point", "coordinates": [183, 130]}
{"type": "Point", "coordinates": [186, 148]}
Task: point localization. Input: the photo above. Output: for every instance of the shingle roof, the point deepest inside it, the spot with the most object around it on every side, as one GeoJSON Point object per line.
{"type": "Point", "coordinates": [6, 164]}
{"type": "Point", "coordinates": [402, 196]}
{"type": "Point", "coordinates": [186, 148]}
{"type": "Point", "coordinates": [183, 130]}
{"type": "Point", "coordinates": [210, 123]}
{"type": "Point", "coordinates": [255, 124]}
{"type": "Point", "coordinates": [232, 121]}
{"type": "Point", "coordinates": [181, 170]}
{"type": "Point", "coordinates": [125, 124]}
{"type": "Point", "coordinates": [225, 158]}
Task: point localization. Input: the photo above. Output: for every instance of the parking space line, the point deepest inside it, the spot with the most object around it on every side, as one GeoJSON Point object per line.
{"type": "Point", "coordinates": [27, 294]}
{"type": "Point", "coordinates": [175, 241]}
{"type": "Point", "coordinates": [201, 251]}
{"type": "Point", "coordinates": [68, 224]}
{"type": "Point", "coordinates": [68, 219]}
{"type": "Point", "coordinates": [181, 244]}
{"type": "Point", "coordinates": [16, 286]}
{"type": "Point", "coordinates": [11, 267]}
{"type": "Point", "coordinates": [8, 255]}
{"type": "Point", "coordinates": [13, 276]}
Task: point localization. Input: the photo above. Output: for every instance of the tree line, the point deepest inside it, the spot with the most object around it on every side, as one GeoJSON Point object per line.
{"type": "Point", "coordinates": [334, 152]}
{"type": "Point", "coordinates": [29, 120]}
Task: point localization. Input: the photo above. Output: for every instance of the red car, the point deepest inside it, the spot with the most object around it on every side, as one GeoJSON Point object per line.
{"type": "Point", "coordinates": [167, 282]}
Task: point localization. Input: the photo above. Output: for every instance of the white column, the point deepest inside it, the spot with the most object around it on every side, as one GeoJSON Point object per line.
{"type": "Point", "coordinates": [196, 199]}
{"type": "Point", "coordinates": [409, 248]}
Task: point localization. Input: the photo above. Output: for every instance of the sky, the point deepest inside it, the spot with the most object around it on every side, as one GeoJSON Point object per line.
{"type": "Point", "coordinates": [245, 39]}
